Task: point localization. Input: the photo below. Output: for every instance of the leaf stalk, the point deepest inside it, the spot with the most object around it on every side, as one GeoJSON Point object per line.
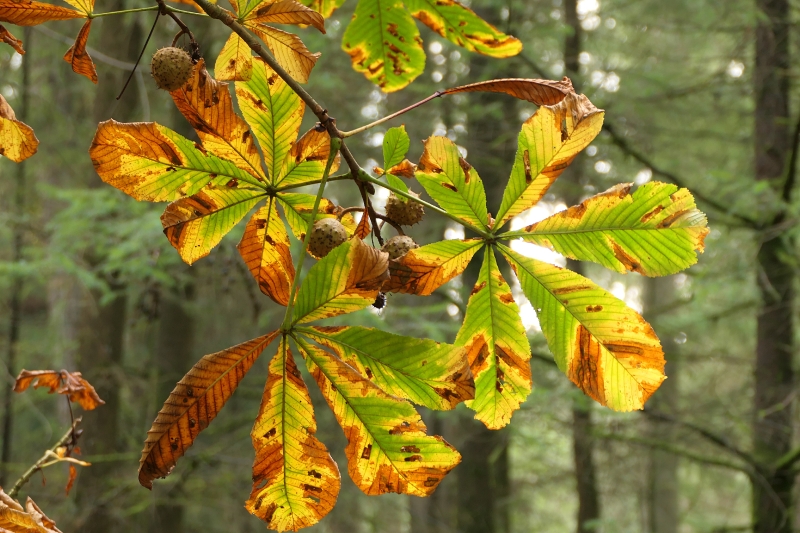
{"type": "Point", "coordinates": [387, 118]}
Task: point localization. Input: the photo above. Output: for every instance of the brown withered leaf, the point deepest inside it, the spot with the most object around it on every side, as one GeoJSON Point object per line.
{"type": "Point", "coordinates": [73, 474]}
{"type": "Point", "coordinates": [30, 519]}
{"type": "Point", "coordinates": [12, 41]}
{"type": "Point", "coordinates": [404, 169]}
{"type": "Point", "coordinates": [17, 140]}
{"type": "Point", "coordinates": [265, 250]}
{"type": "Point", "coordinates": [207, 105]}
{"type": "Point", "coordinates": [539, 92]}
{"type": "Point", "coordinates": [30, 13]}
{"type": "Point", "coordinates": [78, 57]}
{"type": "Point", "coordinates": [363, 229]}
{"type": "Point", "coordinates": [295, 480]}
{"type": "Point", "coordinates": [193, 404]}
{"type": "Point", "coordinates": [423, 270]}
{"type": "Point", "coordinates": [70, 384]}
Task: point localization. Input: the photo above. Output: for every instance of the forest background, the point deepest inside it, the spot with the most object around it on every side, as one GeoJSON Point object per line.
{"type": "Point", "coordinates": [98, 288]}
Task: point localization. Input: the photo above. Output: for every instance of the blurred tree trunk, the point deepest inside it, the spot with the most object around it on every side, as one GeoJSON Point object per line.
{"type": "Point", "coordinates": [15, 301]}
{"type": "Point", "coordinates": [662, 468]}
{"type": "Point", "coordinates": [174, 356]}
{"type": "Point", "coordinates": [582, 427]}
{"type": "Point", "coordinates": [774, 377]}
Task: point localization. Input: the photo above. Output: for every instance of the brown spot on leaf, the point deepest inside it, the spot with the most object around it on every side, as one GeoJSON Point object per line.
{"type": "Point", "coordinates": [478, 288]}
{"type": "Point", "coordinates": [450, 186]}
{"type": "Point", "coordinates": [593, 308]}
{"type": "Point", "coordinates": [367, 451]}
{"type": "Point", "coordinates": [627, 261]}
{"type": "Point", "coordinates": [650, 214]}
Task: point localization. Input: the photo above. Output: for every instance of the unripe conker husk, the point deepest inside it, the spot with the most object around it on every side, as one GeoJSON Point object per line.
{"type": "Point", "coordinates": [171, 67]}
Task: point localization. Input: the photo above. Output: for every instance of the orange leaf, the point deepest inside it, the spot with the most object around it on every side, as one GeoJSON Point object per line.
{"type": "Point", "coordinates": [189, 3]}
{"type": "Point", "coordinates": [423, 270]}
{"type": "Point", "coordinates": [404, 169]}
{"type": "Point", "coordinates": [288, 50]}
{"type": "Point", "coordinates": [71, 384]}
{"type": "Point", "coordinates": [287, 12]}
{"type": "Point", "coordinates": [265, 249]}
{"type": "Point", "coordinates": [17, 140]}
{"type": "Point", "coordinates": [79, 58]}
{"type": "Point", "coordinates": [363, 228]}
{"type": "Point", "coordinates": [31, 519]}
{"type": "Point", "coordinates": [73, 473]}
{"type": "Point", "coordinates": [207, 105]}
{"type": "Point", "coordinates": [30, 13]}
{"type": "Point", "coordinates": [12, 41]}
{"type": "Point", "coordinates": [193, 404]}
{"type": "Point", "coordinates": [539, 92]}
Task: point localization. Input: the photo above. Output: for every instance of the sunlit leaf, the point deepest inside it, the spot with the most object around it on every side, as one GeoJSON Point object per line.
{"type": "Point", "coordinates": [384, 44]}
{"type": "Point", "coordinates": [387, 446]}
{"type": "Point", "coordinates": [207, 105]}
{"type": "Point", "coordinates": [151, 162]}
{"type": "Point", "coordinates": [428, 373]}
{"type": "Point", "coordinates": [346, 280]}
{"type": "Point", "coordinates": [395, 146]}
{"type": "Point", "coordinates": [452, 182]}
{"type": "Point", "coordinates": [656, 231]}
{"type": "Point", "coordinates": [463, 27]}
{"type": "Point", "coordinates": [30, 519]}
{"type": "Point", "coordinates": [497, 347]}
{"type": "Point", "coordinates": [323, 7]}
{"type": "Point", "coordinates": [298, 207]}
{"type": "Point", "coordinates": [196, 224]}
{"type": "Point", "coordinates": [288, 50]}
{"type": "Point", "coordinates": [425, 269]}
{"type": "Point", "coordinates": [193, 404]}
{"type": "Point", "coordinates": [30, 13]}
{"type": "Point", "coordinates": [295, 481]}
{"type": "Point", "coordinates": [306, 161]}
{"type": "Point", "coordinates": [603, 346]}
{"type": "Point", "coordinates": [78, 57]}
{"type": "Point", "coordinates": [286, 12]}
{"type": "Point", "coordinates": [539, 92]}
{"type": "Point", "coordinates": [265, 249]}
{"type": "Point", "coordinates": [235, 60]}
{"type": "Point", "coordinates": [274, 111]}
{"type": "Point", "coordinates": [549, 141]}
{"type": "Point", "coordinates": [85, 6]}
{"type": "Point", "coordinates": [71, 384]}
{"type": "Point", "coordinates": [13, 42]}
{"type": "Point", "coordinates": [17, 140]}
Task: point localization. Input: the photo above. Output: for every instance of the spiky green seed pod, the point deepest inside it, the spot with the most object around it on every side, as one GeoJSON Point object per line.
{"type": "Point", "coordinates": [327, 234]}
{"type": "Point", "coordinates": [405, 213]}
{"type": "Point", "coordinates": [171, 67]}
{"type": "Point", "coordinates": [399, 246]}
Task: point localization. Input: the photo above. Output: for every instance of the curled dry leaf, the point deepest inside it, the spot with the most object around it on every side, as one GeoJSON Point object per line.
{"type": "Point", "coordinates": [12, 41]}
{"type": "Point", "coordinates": [539, 92]}
{"type": "Point", "coordinates": [71, 384]}
{"type": "Point", "coordinates": [30, 519]}
{"type": "Point", "coordinates": [78, 57]}
{"type": "Point", "coordinates": [193, 404]}
{"type": "Point", "coordinates": [17, 140]}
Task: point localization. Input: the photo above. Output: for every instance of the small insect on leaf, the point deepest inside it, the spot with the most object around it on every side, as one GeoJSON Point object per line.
{"type": "Point", "coordinates": [70, 384]}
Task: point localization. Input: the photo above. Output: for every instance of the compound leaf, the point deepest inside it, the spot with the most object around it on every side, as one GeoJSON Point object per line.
{"type": "Point", "coordinates": [426, 372]}
{"type": "Point", "coordinates": [452, 182]}
{"type": "Point", "coordinates": [346, 280]}
{"type": "Point", "coordinates": [545, 149]}
{"type": "Point", "coordinates": [151, 162]}
{"type": "Point", "coordinates": [384, 44]}
{"type": "Point", "coordinates": [193, 404]}
{"type": "Point", "coordinates": [656, 231]}
{"type": "Point", "coordinates": [195, 225]}
{"type": "Point", "coordinates": [497, 347]}
{"type": "Point", "coordinates": [265, 250]}
{"type": "Point", "coordinates": [17, 140]}
{"type": "Point", "coordinates": [462, 26]}
{"type": "Point", "coordinates": [295, 480]}
{"type": "Point", "coordinates": [388, 449]}
{"type": "Point", "coordinates": [423, 270]}
{"type": "Point", "coordinates": [207, 105]}
{"type": "Point", "coordinates": [30, 13]}
{"type": "Point", "coordinates": [306, 160]}
{"type": "Point", "coordinates": [274, 111]}
{"type": "Point", "coordinates": [603, 346]}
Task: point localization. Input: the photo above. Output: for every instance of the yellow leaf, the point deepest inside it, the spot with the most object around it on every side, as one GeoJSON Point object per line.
{"type": "Point", "coordinates": [295, 480]}
{"type": "Point", "coordinates": [288, 50]}
{"type": "Point", "coordinates": [265, 249]}
{"type": "Point", "coordinates": [193, 404]}
{"type": "Point", "coordinates": [423, 270]}
{"type": "Point", "coordinates": [307, 158]}
{"type": "Point", "coordinates": [235, 60]}
{"type": "Point", "coordinates": [17, 140]}
{"type": "Point", "coordinates": [286, 12]}
{"type": "Point", "coordinates": [31, 519]}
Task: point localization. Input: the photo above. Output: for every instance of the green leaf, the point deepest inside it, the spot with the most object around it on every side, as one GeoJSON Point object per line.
{"type": "Point", "coordinates": [423, 270]}
{"type": "Point", "coordinates": [656, 231]}
{"type": "Point", "coordinates": [195, 225]}
{"type": "Point", "coordinates": [452, 182]}
{"type": "Point", "coordinates": [462, 26]}
{"type": "Point", "coordinates": [497, 347]}
{"type": "Point", "coordinates": [151, 162]}
{"type": "Point", "coordinates": [387, 446]}
{"type": "Point", "coordinates": [384, 44]}
{"type": "Point", "coordinates": [545, 150]}
{"type": "Point", "coordinates": [426, 372]}
{"type": "Point", "coordinates": [346, 280]}
{"type": "Point", "coordinates": [306, 160]}
{"type": "Point", "coordinates": [295, 481]}
{"type": "Point", "coordinates": [274, 112]}
{"type": "Point", "coordinates": [395, 146]}
{"type": "Point", "coordinates": [603, 346]}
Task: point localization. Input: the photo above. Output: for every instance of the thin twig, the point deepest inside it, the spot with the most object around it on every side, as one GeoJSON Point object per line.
{"type": "Point", "coordinates": [133, 70]}
{"type": "Point", "coordinates": [68, 437]}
